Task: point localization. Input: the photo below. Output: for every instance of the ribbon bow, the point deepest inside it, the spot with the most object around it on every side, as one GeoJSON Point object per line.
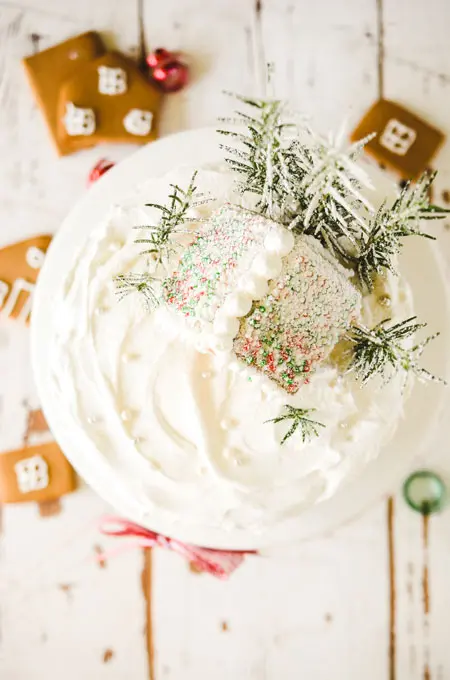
{"type": "Point", "coordinates": [218, 563]}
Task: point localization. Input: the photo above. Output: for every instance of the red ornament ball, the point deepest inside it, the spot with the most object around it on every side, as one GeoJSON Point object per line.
{"type": "Point", "coordinates": [99, 169]}
{"type": "Point", "coordinates": [167, 70]}
{"type": "Point", "coordinates": [159, 56]}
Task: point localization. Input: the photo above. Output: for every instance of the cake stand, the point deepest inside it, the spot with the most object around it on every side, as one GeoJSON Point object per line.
{"type": "Point", "coordinates": [418, 432]}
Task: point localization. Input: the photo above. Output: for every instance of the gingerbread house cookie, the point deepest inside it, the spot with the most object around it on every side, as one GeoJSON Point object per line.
{"type": "Point", "coordinates": [20, 264]}
{"type": "Point", "coordinates": [403, 143]}
{"type": "Point", "coordinates": [109, 100]}
{"type": "Point", "coordinates": [49, 69]}
{"type": "Point", "coordinates": [35, 473]}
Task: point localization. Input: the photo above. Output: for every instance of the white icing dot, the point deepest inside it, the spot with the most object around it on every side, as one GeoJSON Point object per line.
{"type": "Point", "coordinates": [93, 419]}
{"type": "Point", "coordinates": [127, 357]}
{"type": "Point", "coordinates": [267, 265]}
{"type": "Point", "coordinates": [255, 285]}
{"type": "Point", "coordinates": [115, 246]}
{"type": "Point", "coordinates": [279, 241]}
{"type": "Point", "coordinates": [223, 343]}
{"type": "Point", "coordinates": [138, 122]}
{"type": "Point", "coordinates": [238, 304]}
{"type": "Point", "coordinates": [101, 310]}
{"type": "Point", "coordinates": [35, 257]}
{"type": "Point", "coordinates": [228, 524]}
{"type": "Point", "coordinates": [78, 121]}
{"type": "Point", "coordinates": [227, 423]}
{"type": "Point", "coordinates": [127, 414]}
{"type": "Point", "coordinates": [226, 325]}
{"type": "Point", "coordinates": [228, 453]}
{"type": "Point", "coordinates": [206, 375]}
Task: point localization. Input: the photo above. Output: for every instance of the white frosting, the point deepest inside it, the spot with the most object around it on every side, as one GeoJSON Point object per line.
{"type": "Point", "coordinates": [184, 432]}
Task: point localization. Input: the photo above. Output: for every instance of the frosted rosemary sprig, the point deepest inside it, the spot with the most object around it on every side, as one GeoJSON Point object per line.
{"type": "Point", "coordinates": [315, 186]}
{"type": "Point", "coordinates": [327, 183]}
{"type": "Point", "coordinates": [259, 155]}
{"type": "Point", "coordinates": [413, 205]}
{"type": "Point", "coordinates": [173, 216]}
{"type": "Point", "coordinates": [300, 421]}
{"type": "Point", "coordinates": [144, 284]}
{"type": "Point", "coordinates": [391, 224]}
{"type": "Point", "coordinates": [305, 182]}
{"type": "Point", "coordinates": [377, 252]}
{"type": "Point", "coordinates": [380, 350]}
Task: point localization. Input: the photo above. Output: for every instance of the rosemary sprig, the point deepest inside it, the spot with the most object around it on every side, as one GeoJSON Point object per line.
{"type": "Point", "coordinates": [258, 156]}
{"type": "Point", "coordinates": [138, 283]}
{"type": "Point", "coordinates": [300, 421]}
{"type": "Point", "coordinates": [379, 351]}
{"type": "Point", "coordinates": [306, 183]}
{"type": "Point", "coordinates": [377, 252]}
{"type": "Point", "coordinates": [314, 186]}
{"type": "Point", "coordinates": [389, 227]}
{"type": "Point", "coordinates": [173, 216]}
{"type": "Point", "coordinates": [413, 204]}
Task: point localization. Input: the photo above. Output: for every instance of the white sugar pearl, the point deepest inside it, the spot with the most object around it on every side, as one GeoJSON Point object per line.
{"type": "Point", "coordinates": [279, 241]}
{"type": "Point", "coordinates": [227, 423]}
{"type": "Point", "coordinates": [226, 325]}
{"type": "Point", "coordinates": [127, 414]}
{"type": "Point", "coordinates": [267, 265]}
{"type": "Point", "coordinates": [206, 375]}
{"type": "Point", "coordinates": [223, 343]}
{"type": "Point", "coordinates": [255, 285]}
{"type": "Point", "coordinates": [129, 357]}
{"type": "Point", "coordinates": [101, 310]}
{"type": "Point", "coordinates": [234, 366]}
{"type": "Point", "coordinates": [238, 304]}
{"type": "Point", "coordinates": [115, 246]}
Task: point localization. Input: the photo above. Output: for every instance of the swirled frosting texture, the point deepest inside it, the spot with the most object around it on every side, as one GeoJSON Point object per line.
{"type": "Point", "coordinates": [181, 431]}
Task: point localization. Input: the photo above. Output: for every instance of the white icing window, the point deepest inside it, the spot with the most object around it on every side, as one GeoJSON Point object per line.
{"type": "Point", "coordinates": [35, 257]}
{"type": "Point", "coordinates": [31, 474]}
{"type": "Point", "coordinates": [4, 288]}
{"type": "Point", "coordinates": [111, 80]}
{"type": "Point", "coordinates": [79, 121]}
{"type": "Point", "coordinates": [138, 122]}
{"type": "Point", "coordinates": [397, 137]}
{"type": "Point", "coordinates": [19, 286]}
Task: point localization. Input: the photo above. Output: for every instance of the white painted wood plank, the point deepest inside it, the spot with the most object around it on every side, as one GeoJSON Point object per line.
{"type": "Point", "coordinates": [325, 56]}
{"type": "Point", "coordinates": [417, 75]}
{"type": "Point", "coordinates": [322, 607]}
{"type": "Point", "coordinates": [47, 628]}
{"type": "Point", "coordinates": [61, 612]}
{"type": "Point", "coordinates": [217, 39]}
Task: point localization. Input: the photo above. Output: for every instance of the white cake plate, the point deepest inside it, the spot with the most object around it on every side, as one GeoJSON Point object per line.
{"type": "Point", "coordinates": [418, 433]}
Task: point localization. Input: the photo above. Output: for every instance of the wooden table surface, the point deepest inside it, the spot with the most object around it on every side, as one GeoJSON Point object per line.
{"type": "Point", "coordinates": [371, 601]}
